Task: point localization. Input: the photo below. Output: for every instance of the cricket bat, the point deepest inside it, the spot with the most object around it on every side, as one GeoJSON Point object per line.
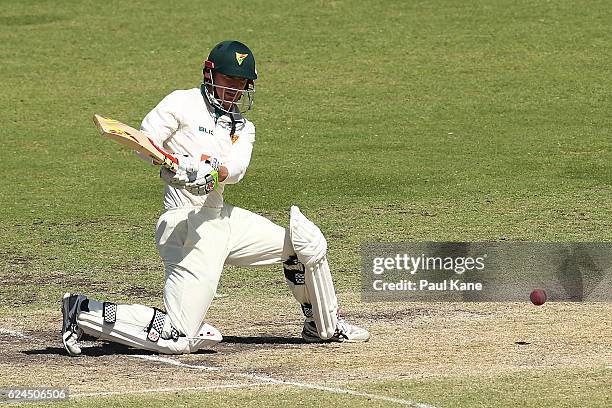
{"type": "Point", "coordinates": [135, 140]}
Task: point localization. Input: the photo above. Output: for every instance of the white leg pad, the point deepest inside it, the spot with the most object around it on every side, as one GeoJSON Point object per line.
{"type": "Point", "coordinates": [130, 329]}
{"type": "Point", "coordinates": [310, 247]}
{"type": "Point", "coordinates": [323, 298]}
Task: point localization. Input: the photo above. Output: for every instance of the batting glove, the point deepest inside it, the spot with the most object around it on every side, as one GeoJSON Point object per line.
{"type": "Point", "coordinates": [213, 161]}
{"type": "Point", "coordinates": [204, 180]}
{"type": "Point", "coordinates": [187, 165]}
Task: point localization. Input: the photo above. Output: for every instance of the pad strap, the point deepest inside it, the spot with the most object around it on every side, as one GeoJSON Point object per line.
{"type": "Point", "coordinates": [156, 327]}
{"type": "Point", "coordinates": [307, 310]}
{"type": "Point", "coordinates": [294, 271]}
{"type": "Point", "coordinates": [109, 312]}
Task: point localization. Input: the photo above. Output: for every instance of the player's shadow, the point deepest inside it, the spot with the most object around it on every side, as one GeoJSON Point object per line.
{"type": "Point", "coordinates": [104, 349]}
{"type": "Point", "coordinates": [262, 340]}
{"type": "Point", "coordinates": [109, 349]}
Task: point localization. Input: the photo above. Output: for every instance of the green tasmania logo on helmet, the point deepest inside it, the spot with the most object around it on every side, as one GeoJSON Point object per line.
{"type": "Point", "coordinates": [233, 59]}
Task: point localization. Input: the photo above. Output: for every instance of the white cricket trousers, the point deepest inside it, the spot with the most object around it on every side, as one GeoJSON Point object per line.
{"type": "Point", "coordinates": [194, 243]}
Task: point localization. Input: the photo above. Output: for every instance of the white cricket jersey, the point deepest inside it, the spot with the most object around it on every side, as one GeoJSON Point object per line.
{"type": "Point", "coordinates": [184, 123]}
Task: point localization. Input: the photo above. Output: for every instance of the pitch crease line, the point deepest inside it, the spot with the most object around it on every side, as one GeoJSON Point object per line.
{"type": "Point", "coordinates": [12, 333]}
{"type": "Point", "coordinates": [270, 380]}
{"type": "Point", "coordinates": [175, 362]}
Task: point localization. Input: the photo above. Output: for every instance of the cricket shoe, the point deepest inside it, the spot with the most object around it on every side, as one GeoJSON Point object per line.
{"type": "Point", "coordinates": [345, 332]}
{"type": "Point", "coordinates": [71, 333]}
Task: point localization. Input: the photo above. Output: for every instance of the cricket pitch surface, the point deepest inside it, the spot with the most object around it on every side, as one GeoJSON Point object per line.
{"type": "Point", "coordinates": [420, 354]}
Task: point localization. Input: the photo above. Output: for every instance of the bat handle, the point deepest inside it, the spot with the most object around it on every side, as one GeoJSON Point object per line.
{"type": "Point", "coordinates": [170, 164]}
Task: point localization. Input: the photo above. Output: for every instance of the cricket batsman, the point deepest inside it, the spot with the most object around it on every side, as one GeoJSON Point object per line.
{"type": "Point", "coordinates": [199, 233]}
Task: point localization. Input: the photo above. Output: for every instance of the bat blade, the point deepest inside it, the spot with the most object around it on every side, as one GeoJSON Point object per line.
{"type": "Point", "coordinates": [135, 140]}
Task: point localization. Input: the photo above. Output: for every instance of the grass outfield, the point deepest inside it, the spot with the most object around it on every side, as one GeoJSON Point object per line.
{"type": "Point", "coordinates": [412, 121]}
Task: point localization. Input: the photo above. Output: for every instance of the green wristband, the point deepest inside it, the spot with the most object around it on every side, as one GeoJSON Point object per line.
{"type": "Point", "coordinates": [215, 175]}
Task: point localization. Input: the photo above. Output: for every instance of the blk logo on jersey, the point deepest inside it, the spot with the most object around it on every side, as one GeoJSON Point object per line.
{"type": "Point", "coordinates": [203, 129]}
{"type": "Point", "coordinates": [241, 57]}
{"type": "Point", "coordinates": [234, 138]}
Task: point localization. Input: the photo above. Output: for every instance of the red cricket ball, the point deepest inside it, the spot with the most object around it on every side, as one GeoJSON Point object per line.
{"type": "Point", "coordinates": [538, 297]}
